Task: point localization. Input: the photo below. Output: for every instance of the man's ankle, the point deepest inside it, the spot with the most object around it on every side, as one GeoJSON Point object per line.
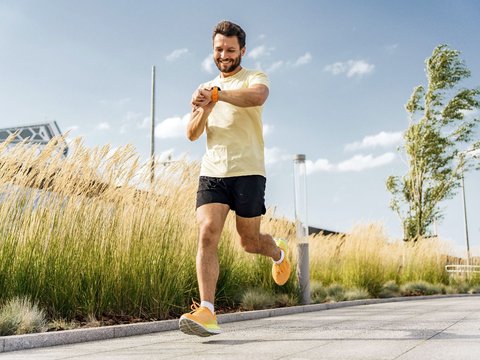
{"type": "Point", "coordinates": [208, 305]}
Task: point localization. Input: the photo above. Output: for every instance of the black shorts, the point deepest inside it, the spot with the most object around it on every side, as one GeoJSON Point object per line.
{"type": "Point", "coordinates": [244, 194]}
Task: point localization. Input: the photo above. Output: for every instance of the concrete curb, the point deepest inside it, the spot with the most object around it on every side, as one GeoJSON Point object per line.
{"type": "Point", "coordinates": [31, 341]}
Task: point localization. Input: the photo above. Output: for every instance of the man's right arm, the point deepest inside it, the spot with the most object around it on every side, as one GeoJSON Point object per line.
{"type": "Point", "coordinates": [198, 120]}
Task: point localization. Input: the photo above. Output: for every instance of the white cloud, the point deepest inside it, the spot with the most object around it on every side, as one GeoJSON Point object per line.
{"type": "Point", "coordinates": [176, 54]}
{"type": "Point", "coordinates": [350, 68]}
{"type": "Point", "coordinates": [275, 66]}
{"type": "Point", "coordinates": [336, 68]}
{"type": "Point", "coordinates": [360, 68]}
{"type": "Point", "coordinates": [103, 126]}
{"type": "Point", "coordinates": [174, 127]}
{"type": "Point", "coordinates": [208, 64]}
{"type": "Point", "coordinates": [303, 60]}
{"type": "Point", "coordinates": [267, 129]}
{"type": "Point", "coordinates": [356, 163]}
{"type": "Point", "coordinates": [363, 162]}
{"type": "Point", "coordinates": [382, 139]}
{"type": "Point", "coordinates": [258, 52]}
{"type": "Point", "coordinates": [318, 166]}
{"type": "Point", "coordinates": [275, 155]}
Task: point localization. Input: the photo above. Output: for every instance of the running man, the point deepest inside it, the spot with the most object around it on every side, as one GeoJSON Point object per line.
{"type": "Point", "coordinates": [232, 176]}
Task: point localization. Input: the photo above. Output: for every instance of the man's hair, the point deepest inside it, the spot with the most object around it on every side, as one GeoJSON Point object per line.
{"type": "Point", "coordinates": [227, 28]}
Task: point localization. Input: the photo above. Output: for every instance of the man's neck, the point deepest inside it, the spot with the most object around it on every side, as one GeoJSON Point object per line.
{"type": "Point", "coordinates": [237, 69]}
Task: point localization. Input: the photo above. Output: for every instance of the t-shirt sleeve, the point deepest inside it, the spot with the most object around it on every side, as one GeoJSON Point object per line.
{"type": "Point", "coordinates": [205, 85]}
{"type": "Point", "coordinates": [259, 78]}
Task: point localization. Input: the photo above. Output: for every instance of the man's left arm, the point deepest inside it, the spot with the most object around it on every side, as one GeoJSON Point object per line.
{"type": "Point", "coordinates": [255, 95]}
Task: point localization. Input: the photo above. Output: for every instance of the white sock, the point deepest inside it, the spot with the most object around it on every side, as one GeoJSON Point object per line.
{"type": "Point", "coordinates": [208, 305]}
{"type": "Point", "coordinates": [282, 255]}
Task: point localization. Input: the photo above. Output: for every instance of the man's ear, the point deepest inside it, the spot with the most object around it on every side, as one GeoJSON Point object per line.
{"type": "Point", "coordinates": [242, 52]}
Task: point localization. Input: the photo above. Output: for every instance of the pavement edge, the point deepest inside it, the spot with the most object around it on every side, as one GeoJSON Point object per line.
{"type": "Point", "coordinates": [32, 341]}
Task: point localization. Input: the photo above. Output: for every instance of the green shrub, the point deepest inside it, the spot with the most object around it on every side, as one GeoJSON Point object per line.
{"type": "Point", "coordinates": [257, 299]}
{"type": "Point", "coordinates": [318, 293]}
{"type": "Point", "coordinates": [474, 290]}
{"type": "Point", "coordinates": [389, 289]}
{"type": "Point", "coordinates": [418, 288]}
{"type": "Point", "coordinates": [335, 293]}
{"type": "Point", "coordinates": [357, 294]}
{"type": "Point", "coordinates": [283, 300]}
{"type": "Point", "coordinates": [20, 316]}
{"type": "Point", "coordinates": [461, 287]}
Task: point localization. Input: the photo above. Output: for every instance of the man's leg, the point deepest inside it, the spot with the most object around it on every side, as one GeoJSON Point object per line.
{"type": "Point", "coordinates": [255, 242]}
{"type": "Point", "coordinates": [202, 321]}
{"type": "Point", "coordinates": [211, 219]}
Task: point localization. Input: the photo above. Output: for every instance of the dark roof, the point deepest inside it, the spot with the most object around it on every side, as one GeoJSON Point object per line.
{"type": "Point", "coordinates": [315, 230]}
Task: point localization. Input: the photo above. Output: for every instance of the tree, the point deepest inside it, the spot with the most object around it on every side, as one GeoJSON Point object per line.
{"type": "Point", "coordinates": [435, 142]}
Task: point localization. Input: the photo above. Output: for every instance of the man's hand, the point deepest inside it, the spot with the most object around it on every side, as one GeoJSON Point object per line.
{"type": "Point", "coordinates": [201, 97]}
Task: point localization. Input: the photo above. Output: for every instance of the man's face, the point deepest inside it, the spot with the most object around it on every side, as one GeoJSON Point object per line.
{"type": "Point", "coordinates": [227, 53]}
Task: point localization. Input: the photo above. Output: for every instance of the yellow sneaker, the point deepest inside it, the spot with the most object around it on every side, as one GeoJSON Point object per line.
{"type": "Point", "coordinates": [281, 272]}
{"type": "Point", "coordinates": [200, 321]}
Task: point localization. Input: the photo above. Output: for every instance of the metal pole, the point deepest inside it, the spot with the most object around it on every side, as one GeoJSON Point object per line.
{"type": "Point", "coordinates": [152, 140]}
{"type": "Point", "coordinates": [465, 220]}
{"type": "Point", "coordinates": [300, 183]}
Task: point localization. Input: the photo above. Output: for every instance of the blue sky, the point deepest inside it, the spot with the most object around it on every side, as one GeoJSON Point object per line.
{"type": "Point", "coordinates": [340, 72]}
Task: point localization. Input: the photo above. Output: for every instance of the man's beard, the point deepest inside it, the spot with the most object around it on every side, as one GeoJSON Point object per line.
{"type": "Point", "coordinates": [236, 62]}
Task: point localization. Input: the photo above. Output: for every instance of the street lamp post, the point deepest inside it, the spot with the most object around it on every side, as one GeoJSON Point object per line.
{"type": "Point", "coordinates": [474, 153]}
{"type": "Point", "coordinates": [301, 223]}
{"type": "Point", "coordinates": [152, 130]}
{"type": "Point", "coordinates": [465, 221]}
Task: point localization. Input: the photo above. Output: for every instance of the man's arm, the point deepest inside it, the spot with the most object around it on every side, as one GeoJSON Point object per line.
{"type": "Point", "coordinates": [201, 109]}
{"type": "Point", "coordinates": [255, 95]}
{"type": "Point", "coordinates": [198, 121]}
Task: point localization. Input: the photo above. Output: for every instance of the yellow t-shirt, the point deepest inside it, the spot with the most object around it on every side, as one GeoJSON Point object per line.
{"type": "Point", "coordinates": [235, 144]}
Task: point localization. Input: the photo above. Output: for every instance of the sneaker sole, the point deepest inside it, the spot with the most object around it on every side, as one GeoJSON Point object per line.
{"type": "Point", "coordinates": [191, 327]}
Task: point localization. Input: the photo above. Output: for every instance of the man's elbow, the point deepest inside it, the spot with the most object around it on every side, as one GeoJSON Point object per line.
{"type": "Point", "coordinates": [262, 96]}
{"type": "Point", "coordinates": [191, 135]}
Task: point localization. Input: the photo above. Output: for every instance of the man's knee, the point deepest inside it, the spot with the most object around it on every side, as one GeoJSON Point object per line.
{"type": "Point", "coordinates": [209, 233]}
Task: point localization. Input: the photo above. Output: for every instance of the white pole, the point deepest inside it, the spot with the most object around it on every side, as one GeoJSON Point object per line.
{"type": "Point", "coordinates": [465, 221]}
{"type": "Point", "coordinates": [152, 134]}
{"type": "Point", "coordinates": [300, 175]}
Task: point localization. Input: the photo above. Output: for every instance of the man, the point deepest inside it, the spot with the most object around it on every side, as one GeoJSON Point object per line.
{"type": "Point", "coordinates": [232, 175]}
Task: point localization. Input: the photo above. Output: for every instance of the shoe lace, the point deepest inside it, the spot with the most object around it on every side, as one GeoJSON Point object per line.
{"type": "Point", "coordinates": [195, 305]}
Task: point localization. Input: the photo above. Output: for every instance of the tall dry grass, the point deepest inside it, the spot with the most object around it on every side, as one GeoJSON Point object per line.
{"type": "Point", "coordinates": [366, 258]}
{"type": "Point", "coordinates": [88, 235]}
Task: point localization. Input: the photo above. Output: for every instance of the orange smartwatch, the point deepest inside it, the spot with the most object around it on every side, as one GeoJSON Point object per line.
{"type": "Point", "coordinates": [215, 91]}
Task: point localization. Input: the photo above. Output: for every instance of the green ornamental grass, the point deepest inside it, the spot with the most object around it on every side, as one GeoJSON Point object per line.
{"type": "Point", "coordinates": [89, 235]}
{"type": "Point", "coordinates": [20, 316]}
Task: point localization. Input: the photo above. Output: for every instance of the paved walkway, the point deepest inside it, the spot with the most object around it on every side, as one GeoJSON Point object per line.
{"type": "Point", "coordinates": [424, 329]}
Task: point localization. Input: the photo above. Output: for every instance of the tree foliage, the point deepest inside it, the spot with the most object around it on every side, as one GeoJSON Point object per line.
{"type": "Point", "coordinates": [437, 142]}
